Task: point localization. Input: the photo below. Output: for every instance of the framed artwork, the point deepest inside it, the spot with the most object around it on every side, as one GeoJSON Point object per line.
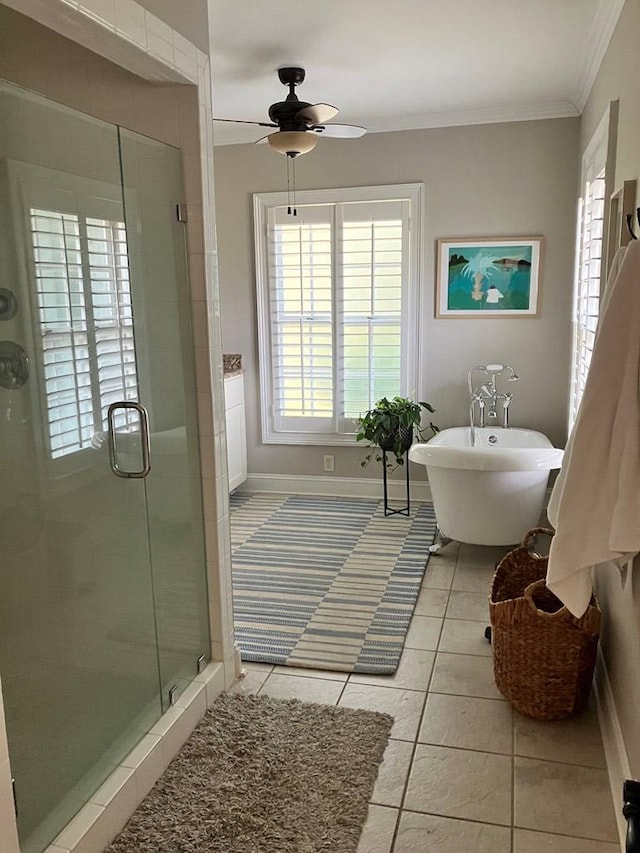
{"type": "Point", "coordinates": [488, 277]}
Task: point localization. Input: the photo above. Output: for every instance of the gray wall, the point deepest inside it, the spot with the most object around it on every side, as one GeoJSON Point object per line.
{"type": "Point", "coordinates": [620, 600]}
{"type": "Point", "coordinates": [188, 17]}
{"type": "Point", "coordinates": [485, 180]}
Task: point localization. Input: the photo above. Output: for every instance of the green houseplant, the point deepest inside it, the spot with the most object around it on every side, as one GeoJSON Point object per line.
{"type": "Point", "coordinates": [391, 425]}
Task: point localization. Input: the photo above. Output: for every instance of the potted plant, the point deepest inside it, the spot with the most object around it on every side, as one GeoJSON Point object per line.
{"type": "Point", "coordinates": [391, 426]}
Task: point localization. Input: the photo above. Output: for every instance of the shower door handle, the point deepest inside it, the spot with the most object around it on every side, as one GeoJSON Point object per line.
{"type": "Point", "coordinates": [144, 440]}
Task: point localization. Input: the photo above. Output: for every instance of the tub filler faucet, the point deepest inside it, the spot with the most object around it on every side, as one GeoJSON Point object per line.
{"type": "Point", "coordinates": [485, 397]}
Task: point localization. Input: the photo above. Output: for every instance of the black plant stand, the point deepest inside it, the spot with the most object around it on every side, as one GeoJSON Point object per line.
{"type": "Point", "coordinates": [387, 509]}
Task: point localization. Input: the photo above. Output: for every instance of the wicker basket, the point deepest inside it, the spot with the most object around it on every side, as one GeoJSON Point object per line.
{"type": "Point", "coordinates": [543, 656]}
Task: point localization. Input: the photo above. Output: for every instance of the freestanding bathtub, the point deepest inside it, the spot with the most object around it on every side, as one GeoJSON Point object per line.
{"type": "Point", "coordinates": [490, 493]}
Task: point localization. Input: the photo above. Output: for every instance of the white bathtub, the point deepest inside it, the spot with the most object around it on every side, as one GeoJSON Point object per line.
{"type": "Point", "coordinates": [493, 492]}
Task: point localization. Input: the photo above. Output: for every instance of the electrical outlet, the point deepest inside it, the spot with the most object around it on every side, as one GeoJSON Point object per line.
{"type": "Point", "coordinates": [329, 462]}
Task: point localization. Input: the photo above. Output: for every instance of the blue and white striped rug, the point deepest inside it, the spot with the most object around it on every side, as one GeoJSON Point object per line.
{"type": "Point", "coordinates": [325, 582]}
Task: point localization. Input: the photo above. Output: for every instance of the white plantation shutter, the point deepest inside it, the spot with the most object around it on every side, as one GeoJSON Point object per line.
{"type": "Point", "coordinates": [589, 255]}
{"type": "Point", "coordinates": [301, 308]}
{"type": "Point", "coordinates": [84, 322]}
{"type": "Point", "coordinates": [372, 274]}
{"type": "Point", "coordinates": [587, 297]}
{"type": "Point", "coordinates": [337, 303]}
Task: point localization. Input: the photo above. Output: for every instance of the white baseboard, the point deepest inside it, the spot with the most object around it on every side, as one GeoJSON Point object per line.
{"type": "Point", "coordinates": [615, 749]}
{"type": "Point", "coordinates": [336, 486]}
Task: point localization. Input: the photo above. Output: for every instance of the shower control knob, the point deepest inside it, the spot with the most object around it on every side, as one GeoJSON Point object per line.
{"type": "Point", "coordinates": [8, 304]}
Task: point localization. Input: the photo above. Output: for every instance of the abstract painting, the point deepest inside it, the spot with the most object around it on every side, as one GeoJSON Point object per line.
{"type": "Point", "coordinates": [492, 277]}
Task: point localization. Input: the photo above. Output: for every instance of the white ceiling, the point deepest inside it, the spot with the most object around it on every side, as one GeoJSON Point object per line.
{"type": "Point", "coordinates": [401, 64]}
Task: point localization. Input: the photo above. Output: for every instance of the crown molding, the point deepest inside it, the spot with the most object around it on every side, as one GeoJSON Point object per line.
{"type": "Point", "coordinates": [604, 23]}
{"type": "Point", "coordinates": [480, 115]}
{"type": "Point", "coordinates": [449, 118]}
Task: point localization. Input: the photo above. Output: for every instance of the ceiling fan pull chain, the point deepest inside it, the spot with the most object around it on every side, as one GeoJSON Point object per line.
{"type": "Point", "coordinates": [288, 187]}
{"type": "Point", "coordinates": [293, 166]}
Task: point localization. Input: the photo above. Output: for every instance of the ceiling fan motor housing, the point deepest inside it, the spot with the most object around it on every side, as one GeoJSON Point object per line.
{"type": "Point", "coordinates": [284, 114]}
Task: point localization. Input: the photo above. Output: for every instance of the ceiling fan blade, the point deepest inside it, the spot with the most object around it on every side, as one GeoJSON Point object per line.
{"type": "Point", "coordinates": [317, 113]}
{"type": "Point", "coordinates": [339, 131]}
{"type": "Point", "coordinates": [242, 121]}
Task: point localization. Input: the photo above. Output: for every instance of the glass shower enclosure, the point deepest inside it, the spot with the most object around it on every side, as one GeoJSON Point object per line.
{"type": "Point", "coordinates": [103, 600]}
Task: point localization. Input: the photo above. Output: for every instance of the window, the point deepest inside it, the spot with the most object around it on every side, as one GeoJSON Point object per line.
{"type": "Point", "coordinates": [338, 307]}
{"type": "Point", "coordinates": [589, 261]}
{"type": "Point", "coordinates": [85, 325]}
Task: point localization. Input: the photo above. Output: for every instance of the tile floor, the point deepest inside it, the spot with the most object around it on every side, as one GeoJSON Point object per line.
{"type": "Point", "coordinates": [462, 771]}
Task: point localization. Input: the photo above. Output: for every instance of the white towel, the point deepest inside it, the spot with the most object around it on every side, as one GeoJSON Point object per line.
{"type": "Point", "coordinates": [595, 503]}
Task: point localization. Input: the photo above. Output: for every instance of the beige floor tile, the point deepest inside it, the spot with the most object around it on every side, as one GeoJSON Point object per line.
{"type": "Point", "coordinates": [393, 773]}
{"type": "Point", "coordinates": [460, 783]}
{"type": "Point", "coordinates": [464, 675]}
{"type": "Point", "coordinates": [413, 673]}
{"type": "Point", "coordinates": [468, 723]}
{"type": "Point", "coordinates": [377, 835]}
{"type": "Point", "coordinates": [563, 799]}
{"type": "Point", "coordinates": [431, 602]}
{"type": "Point", "coordinates": [298, 687]}
{"type": "Point", "coordinates": [525, 841]}
{"type": "Point", "coordinates": [439, 572]}
{"type": "Point", "coordinates": [468, 605]}
{"type": "Point", "coordinates": [419, 833]}
{"type": "Point", "coordinates": [404, 705]}
{"type": "Point", "coordinates": [463, 637]}
{"type": "Point", "coordinates": [575, 741]}
{"type": "Point", "coordinates": [423, 633]}
{"type": "Point", "coordinates": [482, 555]}
{"type": "Point", "coordinates": [251, 683]}
{"type": "Point", "coordinates": [473, 578]}
{"type": "Point", "coordinates": [310, 673]}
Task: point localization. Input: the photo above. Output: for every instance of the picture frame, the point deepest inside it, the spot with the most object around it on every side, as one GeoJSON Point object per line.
{"type": "Point", "coordinates": [488, 277]}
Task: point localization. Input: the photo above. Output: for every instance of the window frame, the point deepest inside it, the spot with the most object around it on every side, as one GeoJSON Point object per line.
{"type": "Point", "coordinates": [413, 194]}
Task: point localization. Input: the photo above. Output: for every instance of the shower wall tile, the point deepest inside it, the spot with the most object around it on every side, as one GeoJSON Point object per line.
{"type": "Point", "coordinates": [193, 698]}
{"type": "Point", "coordinates": [184, 56]}
{"type": "Point", "coordinates": [212, 677]}
{"type": "Point", "coordinates": [120, 794]}
{"type": "Point", "coordinates": [86, 832]}
{"type": "Point", "coordinates": [205, 414]}
{"type": "Point", "coordinates": [103, 11]}
{"type": "Point", "coordinates": [159, 42]}
{"type": "Point", "coordinates": [131, 23]}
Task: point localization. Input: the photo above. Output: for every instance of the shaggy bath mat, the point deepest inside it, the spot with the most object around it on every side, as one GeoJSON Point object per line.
{"type": "Point", "coordinates": [261, 775]}
{"type": "Point", "coordinates": [325, 582]}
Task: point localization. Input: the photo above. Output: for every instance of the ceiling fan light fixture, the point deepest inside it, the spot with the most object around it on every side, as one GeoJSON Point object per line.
{"type": "Point", "coordinates": [293, 142]}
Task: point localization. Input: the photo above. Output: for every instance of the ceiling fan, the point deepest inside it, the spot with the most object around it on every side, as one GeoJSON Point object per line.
{"type": "Point", "coordinates": [298, 123]}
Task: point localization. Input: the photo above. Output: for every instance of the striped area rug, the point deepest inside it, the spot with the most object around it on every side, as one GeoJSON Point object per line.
{"type": "Point", "coordinates": [324, 582]}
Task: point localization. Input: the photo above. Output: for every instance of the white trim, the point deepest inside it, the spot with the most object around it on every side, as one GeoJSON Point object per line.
{"type": "Point", "coordinates": [615, 750]}
{"type": "Point", "coordinates": [344, 487]}
{"type": "Point", "coordinates": [603, 25]}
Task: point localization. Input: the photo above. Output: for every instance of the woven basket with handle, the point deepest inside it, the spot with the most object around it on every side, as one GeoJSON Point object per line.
{"type": "Point", "coordinates": [543, 656]}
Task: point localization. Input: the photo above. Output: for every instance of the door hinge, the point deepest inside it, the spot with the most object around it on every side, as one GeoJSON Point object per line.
{"type": "Point", "coordinates": [181, 213]}
{"type": "Point", "coordinates": [201, 663]}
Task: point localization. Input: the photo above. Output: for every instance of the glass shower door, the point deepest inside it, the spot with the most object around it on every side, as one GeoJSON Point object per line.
{"type": "Point", "coordinates": [153, 188]}
{"type": "Point", "coordinates": [78, 645]}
